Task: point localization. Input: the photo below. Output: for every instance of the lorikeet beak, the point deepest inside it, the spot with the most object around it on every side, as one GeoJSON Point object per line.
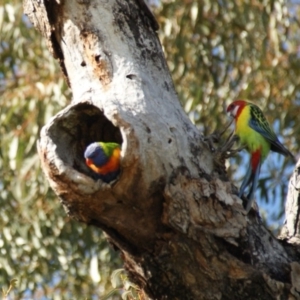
{"type": "Point", "coordinates": [88, 161]}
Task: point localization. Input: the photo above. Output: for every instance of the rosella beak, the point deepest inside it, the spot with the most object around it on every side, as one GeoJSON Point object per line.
{"type": "Point", "coordinates": [231, 115]}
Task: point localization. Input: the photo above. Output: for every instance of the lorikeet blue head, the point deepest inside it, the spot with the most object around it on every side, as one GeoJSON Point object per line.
{"type": "Point", "coordinates": [95, 154]}
{"type": "Point", "coordinates": [104, 160]}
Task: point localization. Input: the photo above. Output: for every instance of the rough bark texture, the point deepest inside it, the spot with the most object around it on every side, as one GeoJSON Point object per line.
{"type": "Point", "coordinates": [172, 213]}
{"type": "Point", "coordinates": [291, 229]}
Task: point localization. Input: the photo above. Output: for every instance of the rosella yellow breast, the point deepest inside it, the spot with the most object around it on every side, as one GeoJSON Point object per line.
{"type": "Point", "coordinates": [249, 137]}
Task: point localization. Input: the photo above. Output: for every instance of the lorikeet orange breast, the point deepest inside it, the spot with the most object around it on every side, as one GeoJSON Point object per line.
{"type": "Point", "coordinates": [104, 160]}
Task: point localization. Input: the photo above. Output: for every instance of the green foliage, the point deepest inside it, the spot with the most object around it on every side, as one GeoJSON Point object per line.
{"type": "Point", "coordinates": [217, 51]}
{"type": "Point", "coordinates": [12, 284]}
{"type": "Point", "coordinates": [121, 284]}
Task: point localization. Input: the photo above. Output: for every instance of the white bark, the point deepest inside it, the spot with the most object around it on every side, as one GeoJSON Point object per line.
{"type": "Point", "coordinates": [291, 229]}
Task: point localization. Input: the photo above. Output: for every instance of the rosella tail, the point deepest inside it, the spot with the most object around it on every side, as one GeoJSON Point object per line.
{"type": "Point", "coordinates": [251, 180]}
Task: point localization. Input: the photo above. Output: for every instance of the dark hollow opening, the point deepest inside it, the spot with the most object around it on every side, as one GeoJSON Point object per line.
{"type": "Point", "coordinates": [76, 128]}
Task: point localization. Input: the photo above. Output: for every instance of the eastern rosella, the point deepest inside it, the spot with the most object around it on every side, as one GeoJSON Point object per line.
{"type": "Point", "coordinates": [255, 133]}
{"type": "Point", "coordinates": [104, 160]}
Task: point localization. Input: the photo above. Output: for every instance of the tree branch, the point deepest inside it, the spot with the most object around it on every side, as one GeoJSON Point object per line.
{"type": "Point", "coordinates": [172, 213]}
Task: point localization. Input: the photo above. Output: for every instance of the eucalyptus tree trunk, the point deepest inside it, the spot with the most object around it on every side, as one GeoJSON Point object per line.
{"type": "Point", "coordinates": [172, 213]}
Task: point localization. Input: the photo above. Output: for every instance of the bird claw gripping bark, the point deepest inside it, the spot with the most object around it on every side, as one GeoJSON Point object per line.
{"type": "Point", "coordinates": [215, 138]}
{"type": "Point", "coordinates": [224, 150]}
{"type": "Point", "coordinates": [221, 153]}
{"type": "Point", "coordinates": [226, 147]}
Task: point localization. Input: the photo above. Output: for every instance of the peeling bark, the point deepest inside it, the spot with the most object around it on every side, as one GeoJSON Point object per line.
{"type": "Point", "coordinates": [172, 212]}
{"type": "Point", "coordinates": [291, 229]}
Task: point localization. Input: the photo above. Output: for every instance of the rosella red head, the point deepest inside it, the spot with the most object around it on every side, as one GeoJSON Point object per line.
{"type": "Point", "coordinates": [235, 107]}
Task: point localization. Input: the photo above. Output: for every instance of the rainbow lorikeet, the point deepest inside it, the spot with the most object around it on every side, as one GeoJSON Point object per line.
{"type": "Point", "coordinates": [104, 160]}
{"type": "Point", "coordinates": [255, 133]}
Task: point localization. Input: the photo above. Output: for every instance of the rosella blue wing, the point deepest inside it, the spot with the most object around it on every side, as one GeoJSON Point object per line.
{"type": "Point", "coordinates": [259, 123]}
